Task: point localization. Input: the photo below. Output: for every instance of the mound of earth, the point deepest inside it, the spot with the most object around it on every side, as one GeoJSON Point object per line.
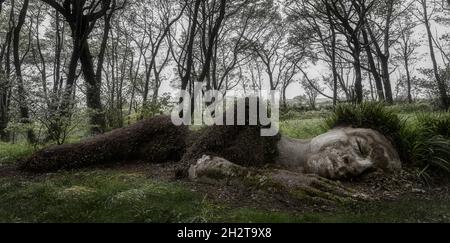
{"type": "Point", "coordinates": [154, 140]}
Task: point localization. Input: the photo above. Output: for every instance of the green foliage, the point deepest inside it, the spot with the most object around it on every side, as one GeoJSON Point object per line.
{"type": "Point", "coordinates": [303, 129]}
{"type": "Point", "coordinates": [430, 145]}
{"type": "Point", "coordinates": [155, 108]}
{"type": "Point", "coordinates": [52, 128]}
{"type": "Point", "coordinates": [366, 115]}
{"type": "Point", "coordinates": [19, 128]}
{"type": "Point", "coordinates": [59, 129]}
{"type": "Point", "coordinates": [373, 116]}
{"type": "Point", "coordinates": [422, 106]}
{"type": "Point", "coordinates": [432, 153]}
{"type": "Point", "coordinates": [291, 114]}
{"type": "Point", "coordinates": [10, 153]}
{"type": "Point", "coordinates": [151, 109]}
{"type": "Point", "coordinates": [434, 124]}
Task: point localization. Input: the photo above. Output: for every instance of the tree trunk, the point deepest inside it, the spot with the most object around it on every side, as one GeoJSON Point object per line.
{"type": "Point", "coordinates": [4, 106]}
{"type": "Point", "coordinates": [372, 95]}
{"type": "Point", "coordinates": [358, 73]}
{"type": "Point", "coordinates": [5, 83]}
{"type": "Point", "coordinates": [373, 67]}
{"type": "Point", "coordinates": [408, 80]}
{"type": "Point", "coordinates": [82, 16]}
{"type": "Point", "coordinates": [57, 58]}
{"type": "Point", "coordinates": [385, 57]}
{"type": "Point", "coordinates": [189, 59]}
{"type": "Point", "coordinates": [93, 91]}
{"type": "Point", "coordinates": [333, 58]}
{"type": "Point", "coordinates": [23, 107]}
{"type": "Point", "coordinates": [57, 80]}
{"type": "Point", "coordinates": [156, 86]}
{"type": "Point", "coordinates": [441, 84]}
{"type": "Point", "coordinates": [386, 79]}
{"type": "Point", "coordinates": [334, 69]}
{"type": "Point", "coordinates": [67, 99]}
{"type": "Point", "coordinates": [211, 41]}
{"type": "Point", "coordinates": [384, 60]}
{"type": "Point", "coordinates": [101, 56]}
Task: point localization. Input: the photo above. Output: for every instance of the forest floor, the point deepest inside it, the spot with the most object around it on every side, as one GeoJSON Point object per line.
{"type": "Point", "coordinates": [143, 192]}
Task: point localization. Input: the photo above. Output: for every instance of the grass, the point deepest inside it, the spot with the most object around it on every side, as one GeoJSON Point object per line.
{"type": "Point", "coordinates": [430, 142]}
{"type": "Point", "coordinates": [112, 196]}
{"type": "Point", "coordinates": [434, 124]}
{"type": "Point", "coordinates": [303, 129]}
{"type": "Point", "coordinates": [97, 196]}
{"type": "Point", "coordinates": [404, 211]}
{"type": "Point", "coordinates": [10, 153]}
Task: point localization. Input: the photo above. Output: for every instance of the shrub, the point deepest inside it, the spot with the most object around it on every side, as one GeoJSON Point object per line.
{"type": "Point", "coordinates": [366, 115]}
{"type": "Point", "coordinates": [297, 114]}
{"type": "Point", "coordinates": [432, 153]}
{"type": "Point", "coordinates": [157, 107]}
{"type": "Point", "coordinates": [431, 141]}
{"type": "Point", "coordinates": [322, 113]}
{"type": "Point", "coordinates": [413, 108]}
{"type": "Point", "coordinates": [434, 124]}
{"type": "Point", "coordinates": [290, 115]}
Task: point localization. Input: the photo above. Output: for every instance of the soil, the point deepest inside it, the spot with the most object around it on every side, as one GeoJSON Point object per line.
{"type": "Point", "coordinates": [405, 183]}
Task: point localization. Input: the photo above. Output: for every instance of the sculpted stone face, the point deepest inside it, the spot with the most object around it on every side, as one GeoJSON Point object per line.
{"type": "Point", "coordinates": [339, 154]}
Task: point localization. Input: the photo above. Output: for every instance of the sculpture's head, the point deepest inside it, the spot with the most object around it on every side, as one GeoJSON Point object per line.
{"type": "Point", "coordinates": [347, 152]}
